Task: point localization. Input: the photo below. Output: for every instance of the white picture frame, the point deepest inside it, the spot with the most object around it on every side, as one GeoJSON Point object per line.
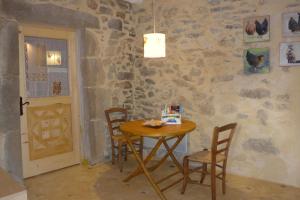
{"type": "Point", "coordinates": [288, 19]}
{"type": "Point", "coordinates": [256, 29]}
{"type": "Point", "coordinates": [289, 54]}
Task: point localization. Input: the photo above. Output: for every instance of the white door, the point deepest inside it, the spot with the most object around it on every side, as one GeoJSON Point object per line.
{"type": "Point", "coordinates": [49, 98]}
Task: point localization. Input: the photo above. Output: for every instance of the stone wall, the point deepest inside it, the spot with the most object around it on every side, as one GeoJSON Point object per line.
{"type": "Point", "coordinates": [203, 71]}
{"type": "Point", "coordinates": [108, 71]}
{"type": "Point", "coordinates": [106, 67]}
{"type": "Point", "coordinates": [10, 137]}
{"type": "Point", "coordinates": [105, 35]}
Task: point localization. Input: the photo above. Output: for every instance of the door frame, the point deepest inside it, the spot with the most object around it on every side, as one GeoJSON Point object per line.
{"type": "Point", "coordinates": [41, 30]}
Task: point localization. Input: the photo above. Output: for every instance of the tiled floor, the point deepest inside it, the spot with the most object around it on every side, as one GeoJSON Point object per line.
{"type": "Point", "coordinates": [104, 182]}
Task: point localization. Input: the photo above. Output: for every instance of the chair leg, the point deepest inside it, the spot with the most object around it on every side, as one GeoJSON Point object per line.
{"type": "Point", "coordinates": [204, 172]}
{"type": "Point", "coordinates": [224, 179]}
{"type": "Point", "coordinates": [112, 152]}
{"type": "Point", "coordinates": [185, 173]}
{"type": "Point", "coordinates": [141, 147]}
{"type": "Point", "coordinates": [125, 153]}
{"type": "Point", "coordinates": [213, 181]}
{"type": "Point", "coordinates": [120, 155]}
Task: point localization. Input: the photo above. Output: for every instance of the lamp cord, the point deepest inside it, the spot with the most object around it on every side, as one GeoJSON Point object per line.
{"type": "Point", "coordinates": [153, 14]}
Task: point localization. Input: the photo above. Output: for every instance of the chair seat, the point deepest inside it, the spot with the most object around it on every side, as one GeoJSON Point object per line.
{"type": "Point", "coordinates": [205, 157]}
{"type": "Point", "coordinates": [123, 139]}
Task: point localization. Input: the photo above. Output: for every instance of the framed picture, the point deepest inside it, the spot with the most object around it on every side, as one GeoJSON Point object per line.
{"type": "Point", "coordinates": [257, 60]}
{"type": "Point", "coordinates": [290, 24]}
{"type": "Point", "coordinates": [257, 29]}
{"type": "Point", "coordinates": [289, 54]}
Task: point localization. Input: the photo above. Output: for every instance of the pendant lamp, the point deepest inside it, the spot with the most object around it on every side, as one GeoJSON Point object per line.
{"type": "Point", "coordinates": [154, 43]}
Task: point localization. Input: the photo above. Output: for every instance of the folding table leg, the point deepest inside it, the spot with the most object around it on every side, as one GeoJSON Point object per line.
{"type": "Point", "coordinates": [163, 159]}
{"type": "Point", "coordinates": [170, 152]}
{"type": "Point", "coordinates": [152, 153]}
{"type": "Point", "coordinates": [144, 169]}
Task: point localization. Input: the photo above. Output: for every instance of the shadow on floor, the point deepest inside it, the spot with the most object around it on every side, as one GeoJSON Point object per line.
{"type": "Point", "coordinates": [110, 186]}
{"type": "Point", "coordinates": [104, 182]}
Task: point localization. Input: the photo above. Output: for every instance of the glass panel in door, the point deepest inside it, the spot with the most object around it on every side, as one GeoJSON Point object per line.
{"type": "Point", "coordinates": [46, 67]}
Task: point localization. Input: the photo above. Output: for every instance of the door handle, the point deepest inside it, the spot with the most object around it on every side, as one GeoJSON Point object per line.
{"type": "Point", "coordinates": [22, 104]}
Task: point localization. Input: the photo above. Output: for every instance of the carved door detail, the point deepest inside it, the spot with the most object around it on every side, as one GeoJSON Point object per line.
{"type": "Point", "coordinates": [49, 130]}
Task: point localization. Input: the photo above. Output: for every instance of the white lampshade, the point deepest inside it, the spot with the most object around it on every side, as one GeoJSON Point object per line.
{"type": "Point", "coordinates": [154, 45]}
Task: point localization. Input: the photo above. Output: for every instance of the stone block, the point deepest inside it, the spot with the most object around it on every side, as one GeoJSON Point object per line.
{"type": "Point", "coordinates": [124, 5]}
{"type": "Point", "coordinates": [98, 99]}
{"type": "Point", "coordinates": [262, 115]}
{"type": "Point", "coordinates": [283, 97]}
{"type": "Point", "coordinates": [214, 1]}
{"type": "Point", "coordinates": [91, 101]}
{"type": "Point", "coordinates": [125, 76]}
{"type": "Point", "coordinates": [222, 9]}
{"type": "Point", "coordinates": [282, 107]}
{"type": "Point", "coordinates": [117, 35]}
{"type": "Point", "coordinates": [194, 35]}
{"type": "Point", "coordinates": [92, 72]}
{"type": "Point", "coordinates": [92, 46]}
{"type": "Point", "coordinates": [144, 19]}
{"type": "Point", "coordinates": [258, 93]}
{"type": "Point", "coordinates": [49, 14]}
{"type": "Point", "coordinates": [224, 78]}
{"type": "Point", "coordinates": [261, 146]}
{"type": "Point", "coordinates": [3, 163]}
{"type": "Point", "coordinates": [98, 145]}
{"type": "Point", "coordinates": [105, 10]}
{"type": "Point", "coordinates": [150, 81]}
{"type": "Point", "coordinates": [122, 15]}
{"type": "Point", "coordinates": [124, 85]}
{"type": "Point", "coordinates": [14, 152]}
{"type": "Point", "coordinates": [150, 94]}
{"type": "Point", "coordinates": [9, 48]}
{"type": "Point", "coordinates": [115, 24]}
{"type": "Point", "coordinates": [268, 105]}
{"type": "Point", "coordinates": [147, 71]}
{"type": "Point", "coordinates": [92, 4]}
{"type": "Point", "coordinates": [9, 103]}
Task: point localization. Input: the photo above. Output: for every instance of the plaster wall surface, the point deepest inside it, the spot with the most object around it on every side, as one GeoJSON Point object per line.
{"type": "Point", "coordinates": [203, 71]}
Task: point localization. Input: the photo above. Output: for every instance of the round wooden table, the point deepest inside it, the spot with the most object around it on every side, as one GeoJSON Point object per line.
{"type": "Point", "coordinates": [162, 134]}
{"type": "Point", "coordinates": [137, 128]}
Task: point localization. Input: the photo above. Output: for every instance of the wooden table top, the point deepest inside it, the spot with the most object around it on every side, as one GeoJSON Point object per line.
{"type": "Point", "coordinates": [137, 128]}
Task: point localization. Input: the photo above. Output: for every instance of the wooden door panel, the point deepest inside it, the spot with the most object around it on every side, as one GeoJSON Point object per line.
{"type": "Point", "coordinates": [49, 130]}
{"type": "Point", "coordinates": [50, 126]}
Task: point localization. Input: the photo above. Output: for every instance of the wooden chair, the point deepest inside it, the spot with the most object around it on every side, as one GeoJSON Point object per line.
{"type": "Point", "coordinates": [115, 117]}
{"type": "Point", "coordinates": [216, 157]}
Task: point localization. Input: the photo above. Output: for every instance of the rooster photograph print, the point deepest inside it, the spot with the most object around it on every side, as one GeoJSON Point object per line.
{"type": "Point", "coordinates": [257, 29]}
{"type": "Point", "coordinates": [291, 24]}
{"type": "Point", "coordinates": [257, 61]}
{"type": "Point", "coordinates": [290, 54]}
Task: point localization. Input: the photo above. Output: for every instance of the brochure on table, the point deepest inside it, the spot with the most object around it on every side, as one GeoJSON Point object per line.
{"type": "Point", "coordinates": [171, 114]}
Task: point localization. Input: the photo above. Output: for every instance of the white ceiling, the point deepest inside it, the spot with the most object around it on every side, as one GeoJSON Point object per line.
{"type": "Point", "coordinates": [135, 1]}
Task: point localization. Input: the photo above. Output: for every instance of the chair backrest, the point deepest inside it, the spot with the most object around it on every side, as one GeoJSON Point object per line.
{"type": "Point", "coordinates": [221, 140]}
{"type": "Point", "coordinates": [115, 117]}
